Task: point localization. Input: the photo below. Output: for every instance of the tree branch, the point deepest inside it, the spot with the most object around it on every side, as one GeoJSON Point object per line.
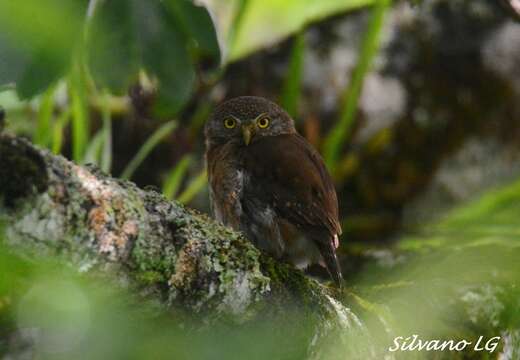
{"type": "Point", "coordinates": [53, 206]}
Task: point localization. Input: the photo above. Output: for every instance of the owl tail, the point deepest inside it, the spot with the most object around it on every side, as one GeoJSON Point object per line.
{"type": "Point", "coordinates": [328, 252]}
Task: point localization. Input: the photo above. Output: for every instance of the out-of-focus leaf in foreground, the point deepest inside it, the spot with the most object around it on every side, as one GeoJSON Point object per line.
{"type": "Point", "coordinates": [196, 24]}
{"type": "Point", "coordinates": [36, 41]}
{"type": "Point", "coordinates": [455, 279]}
{"type": "Point", "coordinates": [49, 312]}
{"type": "Point", "coordinates": [113, 49]}
{"type": "Point", "coordinates": [164, 38]}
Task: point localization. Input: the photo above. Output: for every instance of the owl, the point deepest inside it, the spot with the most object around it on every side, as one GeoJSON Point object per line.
{"type": "Point", "coordinates": [268, 182]}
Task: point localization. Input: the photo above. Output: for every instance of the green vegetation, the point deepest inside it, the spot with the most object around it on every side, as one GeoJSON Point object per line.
{"type": "Point", "coordinates": [127, 85]}
{"type": "Point", "coordinates": [107, 47]}
{"type": "Point", "coordinates": [291, 91]}
{"type": "Point", "coordinates": [147, 147]}
{"type": "Point", "coordinates": [445, 283]}
{"type": "Point", "coordinates": [334, 141]}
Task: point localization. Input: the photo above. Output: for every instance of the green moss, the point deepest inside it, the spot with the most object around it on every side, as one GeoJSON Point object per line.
{"type": "Point", "coordinates": [182, 257]}
{"type": "Point", "coordinates": [150, 277]}
{"type": "Point", "coordinates": [295, 285]}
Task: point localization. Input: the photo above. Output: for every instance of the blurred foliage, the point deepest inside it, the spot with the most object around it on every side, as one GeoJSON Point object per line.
{"type": "Point", "coordinates": [69, 84]}
{"type": "Point", "coordinates": [336, 139]}
{"type": "Point", "coordinates": [123, 37]}
{"type": "Point", "coordinates": [147, 147]}
{"type": "Point", "coordinates": [264, 22]}
{"type": "Point", "coordinates": [2, 118]}
{"type": "Point", "coordinates": [72, 77]}
{"type": "Point", "coordinates": [492, 219]}
{"type": "Point", "coordinates": [36, 44]}
{"type": "Point", "coordinates": [120, 38]}
{"type": "Point", "coordinates": [173, 181]}
{"type": "Point", "coordinates": [456, 279]}
{"type": "Point", "coordinates": [166, 39]}
{"type": "Point", "coordinates": [49, 312]}
{"type": "Point", "coordinates": [291, 91]}
{"type": "Point", "coordinates": [194, 187]}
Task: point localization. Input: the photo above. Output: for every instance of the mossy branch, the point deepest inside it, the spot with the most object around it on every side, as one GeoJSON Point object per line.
{"type": "Point", "coordinates": [176, 255]}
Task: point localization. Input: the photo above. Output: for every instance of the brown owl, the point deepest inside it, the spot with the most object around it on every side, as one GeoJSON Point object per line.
{"type": "Point", "coordinates": [268, 182]}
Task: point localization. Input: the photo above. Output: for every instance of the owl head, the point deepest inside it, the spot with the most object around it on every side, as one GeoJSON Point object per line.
{"type": "Point", "coordinates": [245, 120]}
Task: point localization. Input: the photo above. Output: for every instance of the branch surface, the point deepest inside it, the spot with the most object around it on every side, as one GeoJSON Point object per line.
{"type": "Point", "coordinates": [166, 251]}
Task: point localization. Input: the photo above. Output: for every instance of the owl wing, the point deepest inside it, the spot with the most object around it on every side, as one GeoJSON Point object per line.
{"type": "Point", "coordinates": [290, 176]}
{"type": "Point", "coordinates": [295, 181]}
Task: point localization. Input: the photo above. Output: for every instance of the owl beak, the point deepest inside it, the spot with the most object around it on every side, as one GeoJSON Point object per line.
{"type": "Point", "coordinates": [248, 133]}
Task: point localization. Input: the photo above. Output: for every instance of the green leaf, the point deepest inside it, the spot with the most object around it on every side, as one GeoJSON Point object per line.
{"type": "Point", "coordinates": [36, 43]}
{"type": "Point", "coordinates": [113, 48]}
{"type": "Point", "coordinates": [194, 187]}
{"type": "Point", "coordinates": [58, 130]}
{"type": "Point", "coordinates": [197, 25]}
{"type": "Point", "coordinates": [265, 22]}
{"type": "Point", "coordinates": [80, 112]}
{"type": "Point", "coordinates": [173, 181]}
{"type": "Point", "coordinates": [42, 135]}
{"type": "Point", "coordinates": [106, 155]}
{"type": "Point", "coordinates": [12, 60]}
{"type": "Point", "coordinates": [94, 149]}
{"type": "Point", "coordinates": [335, 139]}
{"type": "Point", "coordinates": [127, 36]}
{"type": "Point", "coordinates": [291, 91]}
{"type": "Point", "coordinates": [166, 56]}
{"type": "Point", "coordinates": [147, 148]}
{"type": "Point", "coordinates": [40, 73]}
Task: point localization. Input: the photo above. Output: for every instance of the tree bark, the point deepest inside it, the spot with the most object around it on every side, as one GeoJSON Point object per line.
{"type": "Point", "coordinates": [52, 206]}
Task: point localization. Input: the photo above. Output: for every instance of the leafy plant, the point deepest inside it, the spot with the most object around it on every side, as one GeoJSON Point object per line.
{"type": "Point", "coordinates": [106, 46]}
{"type": "Point", "coordinates": [245, 26]}
{"type": "Point", "coordinates": [166, 39]}
{"type": "Point", "coordinates": [172, 183]}
{"type": "Point", "coordinates": [291, 91]}
{"type": "Point", "coordinates": [334, 141]}
{"type": "Point", "coordinates": [36, 44]}
{"type": "Point", "coordinates": [147, 147]}
{"type": "Point", "coordinates": [194, 187]}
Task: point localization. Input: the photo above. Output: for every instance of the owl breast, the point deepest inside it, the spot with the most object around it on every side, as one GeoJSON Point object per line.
{"type": "Point", "coordinates": [234, 204]}
{"type": "Point", "coordinates": [245, 201]}
{"type": "Point", "coordinates": [269, 231]}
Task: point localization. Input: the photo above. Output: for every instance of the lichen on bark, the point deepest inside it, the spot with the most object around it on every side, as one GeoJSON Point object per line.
{"type": "Point", "coordinates": [180, 257]}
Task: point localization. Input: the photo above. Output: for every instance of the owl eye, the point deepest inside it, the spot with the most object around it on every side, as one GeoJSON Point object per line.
{"type": "Point", "coordinates": [263, 122]}
{"type": "Point", "coordinates": [230, 123]}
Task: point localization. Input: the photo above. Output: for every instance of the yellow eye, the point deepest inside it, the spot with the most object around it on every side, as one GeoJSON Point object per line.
{"type": "Point", "coordinates": [263, 122]}
{"type": "Point", "coordinates": [230, 123]}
